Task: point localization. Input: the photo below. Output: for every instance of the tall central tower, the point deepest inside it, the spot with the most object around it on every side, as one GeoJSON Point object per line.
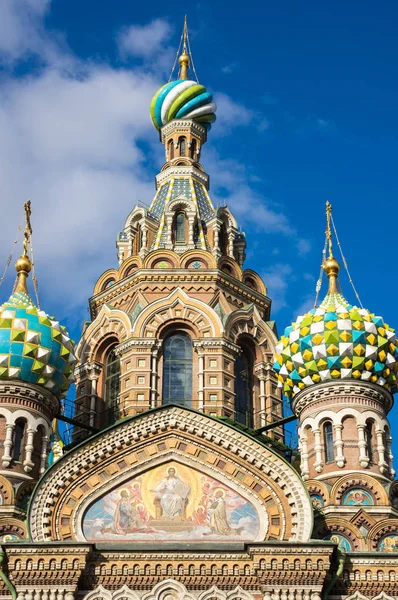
{"type": "Point", "coordinates": [180, 320]}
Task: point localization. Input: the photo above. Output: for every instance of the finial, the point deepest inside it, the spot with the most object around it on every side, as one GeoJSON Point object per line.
{"type": "Point", "coordinates": [184, 58]}
{"type": "Point", "coordinates": [330, 265]}
{"type": "Point", "coordinates": [23, 265]}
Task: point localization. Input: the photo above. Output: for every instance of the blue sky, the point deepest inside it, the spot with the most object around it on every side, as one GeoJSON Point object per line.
{"type": "Point", "coordinates": [307, 96]}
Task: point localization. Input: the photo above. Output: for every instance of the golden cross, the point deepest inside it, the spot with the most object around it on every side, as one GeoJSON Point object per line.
{"type": "Point", "coordinates": [28, 227]}
{"type": "Point", "coordinates": [328, 230]}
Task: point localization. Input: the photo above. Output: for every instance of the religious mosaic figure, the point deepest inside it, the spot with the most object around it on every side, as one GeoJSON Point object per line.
{"type": "Point", "coordinates": [218, 515]}
{"type": "Point", "coordinates": [173, 494]}
{"type": "Point", "coordinates": [357, 497]}
{"type": "Point", "coordinates": [126, 517]}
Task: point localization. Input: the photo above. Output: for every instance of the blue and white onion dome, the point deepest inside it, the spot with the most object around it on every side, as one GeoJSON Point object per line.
{"type": "Point", "coordinates": [336, 341]}
{"type": "Point", "coordinates": [34, 347]}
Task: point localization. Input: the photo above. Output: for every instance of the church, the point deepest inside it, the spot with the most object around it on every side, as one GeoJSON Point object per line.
{"type": "Point", "coordinates": [177, 482]}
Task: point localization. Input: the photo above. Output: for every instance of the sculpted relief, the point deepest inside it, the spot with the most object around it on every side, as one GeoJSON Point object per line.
{"type": "Point", "coordinates": [171, 502]}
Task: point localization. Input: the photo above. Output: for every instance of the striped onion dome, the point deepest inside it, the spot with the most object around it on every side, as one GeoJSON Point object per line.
{"type": "Point", "coordinates": [336, 341]}
{"type": "Point", "coordinates": [182, 99]}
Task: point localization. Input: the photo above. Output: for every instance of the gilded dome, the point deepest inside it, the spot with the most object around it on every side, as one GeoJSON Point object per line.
{"type": "Point", "coordinates": [336, 341]}
{"type": "Point", "coordinates": [34, 347]}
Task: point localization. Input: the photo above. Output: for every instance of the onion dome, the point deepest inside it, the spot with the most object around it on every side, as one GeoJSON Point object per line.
{"type": "Point", "coordinates": [184, 98]}
{"type": "Point", "coordinates": [34, 347]}
{"type": "Point", "coordinates": [336, 341]}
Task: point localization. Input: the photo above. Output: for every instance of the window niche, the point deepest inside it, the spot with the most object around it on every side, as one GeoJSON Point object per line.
{"type": "Point", "coordinates": [328, 441]}
{"type": "Point", "coordinates": [177, 370]}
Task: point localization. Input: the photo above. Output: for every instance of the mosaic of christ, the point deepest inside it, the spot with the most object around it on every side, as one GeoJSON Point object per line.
{"type": "Point", "coordinates": [171, 502]}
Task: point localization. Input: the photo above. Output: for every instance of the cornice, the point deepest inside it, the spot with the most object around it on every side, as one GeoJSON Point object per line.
{"type": "Point", "coordinates": [177, 276]}
{"type": "Point", "coordinates": [44, 400]}
{"type": "Point", "coordinates": [182, 171]}
{"type": "Point", "coordinates": [334, 389]}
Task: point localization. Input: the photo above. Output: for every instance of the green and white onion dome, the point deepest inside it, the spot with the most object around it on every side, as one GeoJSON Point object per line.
{"type": "Point", "coordinates": [336, 341]}
{"type": "Point", "coordinates": [34, 347]}
{"type": "Point", "coordinates": [182, 99]}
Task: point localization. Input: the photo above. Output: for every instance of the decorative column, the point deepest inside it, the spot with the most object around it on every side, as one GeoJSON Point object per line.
{"type": "Point", "coordinates": [201, 377]}
{"type": "Point", "coordinates": [231, 243]}
{"type": "Point", "coordinates": [28, 463]}
{"type": "Point", "coordinates": [390, 456]}
{"type": "Point", "coordinates": [383, 466]}
{"type": "Point", "coordinates": [93, 371]}
{"type": "Point", "coordinates": [169, 228]}
{"type": "Point", "coordinates": [338, 445]}
{"type": "Point", "coordinates": [191, 219]}
{"type": "Point", "coordinates": [6, 460]}
{"type": "Point", "coordinates": [305, 469]}
{"type": "Point", "coordinates": [363, 458]}
{"type": "Point", "coordinates": [154, 372]}
{"type": "Point", "coordinates": [43, 454]}
{"type": "Point", "coordinates": [318, 464]}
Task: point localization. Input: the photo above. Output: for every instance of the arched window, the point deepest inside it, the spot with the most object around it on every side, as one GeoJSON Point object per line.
{"type": "Point", "coordinates": [137, 239]}
{"type": "Point", "coordinates": [19, 431]}
{"type": "Point", "coordinates": [182, 145]}
{"type": "Point", "coordinates": [170, 146]}
{"type": "Point", "coordinates": [177, 370]}
{"type": "Point", "coordinates": [223, 239]}
{"type": "Point", "coordinates": [112, 386]}
{"type": "Point", "coordinates": [328, 441]}
{"type": "Point", "coordinates": [369, 440]}
{"type": "Point", "coordinates": [193, 149]}
{"type": "Point", "coordinates": [243, 388]}
{"type": "Point", "coordinates": [180, 228]}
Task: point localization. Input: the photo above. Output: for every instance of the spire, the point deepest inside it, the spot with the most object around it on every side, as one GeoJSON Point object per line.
{"type": "Point", "coordinates": [23, 266]}
{"type": "Point", "coordinates": [330, 265]}
{"type": "Point", "coordinates": [184, 58]}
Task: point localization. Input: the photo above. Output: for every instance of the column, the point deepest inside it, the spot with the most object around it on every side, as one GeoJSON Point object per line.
{"type": "Point", "coordinates": [318, 464]}
{"type": "Point", "coordinates": [201, 364]}
{"type": "Point", "coordinates": [28, 463]}
{"type": "Point", "coordinates": [154, 374]}
{"type": "Point", "coordinates": [305, 470]}
{"type": "Point", "coordinates": [6, 460]}
{"type": "Point", "coordinates": [190, 230]}
{"type": "Point", "coordinates": [380, 450]}
{"type": "Point", "coordinates": [169, 227]}
{"type": "Point", "coordinates": [363, 458]}
{"type": "Point", "coordinates": [338, 445]}
{"type": "Point", "coordinates": [262, 398]}
{"type": "Point", "coordinates": [390, 456]}
{"type": "Point", "coordinates": [43, 454]}
{"type": "Point", "coordinates": [230, 243]}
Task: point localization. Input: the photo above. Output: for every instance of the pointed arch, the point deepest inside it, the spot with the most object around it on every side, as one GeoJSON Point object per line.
{"type": "Point", "coordinates": [109, 321]}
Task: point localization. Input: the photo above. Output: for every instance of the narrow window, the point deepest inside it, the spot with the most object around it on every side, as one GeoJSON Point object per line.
{"type": "Point", "coordinates": [112, 386]}
{"type": "Point", "coordinates": [180, 228]}
{"type": "Point", "coordinates": [171, 149]}
{"type": "Point", "coordinates": [19, 431]}
{"type": "Point", "coordinates": [243, 388]}
{"type": "Point", "coordinates": [182, 144]}
{"type": "Point", "coordinates": [177, 370]}
{"type": "Point", "coordinates": [368, 439]}
{"type": "Point", "coordinates": [328, 441]}
{"type": "Point", "coordinates": [193, 149]}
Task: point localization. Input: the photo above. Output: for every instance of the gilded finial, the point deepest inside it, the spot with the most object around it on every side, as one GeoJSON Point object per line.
{"type": "Point", "coordinates": [23, 265]}
{"type": "Point", "coordinates": [330, 265]}
{"type": "Point", "coordinates": [184, 58]}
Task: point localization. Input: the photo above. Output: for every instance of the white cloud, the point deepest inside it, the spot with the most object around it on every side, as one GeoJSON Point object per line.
{"type": "Point", "coordinates": [276, 278]}
{"type": "Point", "coordinates": [71, 141]}
{"type": "Point", "coordinates": [147, 42]}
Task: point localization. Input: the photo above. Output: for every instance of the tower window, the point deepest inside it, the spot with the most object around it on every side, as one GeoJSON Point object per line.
{"type": "Point", "coordinates": [328, 441]}
{"type": "Point", "coordinates": [193, 149]}
{"type": "Point", "coordinates": [180, 228]}
{"type": "Point", "coordinates": [368, 439]}
{"type": "Point", "coordinates": [177, 370]}
{"type": "Point", "coordinates": [112, 386]}
{"type": "Point", "coordinates": [182, 145]}
{"type": "Point", "coordinates": [243, 388]}
{"type": "Point", "coordinates": [171, 149]}
{"type": "Point", "coordinates": [18, 438]}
